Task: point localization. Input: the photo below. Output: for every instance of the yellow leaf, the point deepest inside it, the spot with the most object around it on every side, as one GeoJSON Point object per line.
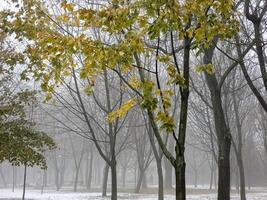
{"type": "Point", "coordinates": [122, 111]}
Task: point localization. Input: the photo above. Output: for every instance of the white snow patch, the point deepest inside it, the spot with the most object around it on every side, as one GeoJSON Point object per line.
{"type": "Point", "coordinates": [7, 194]}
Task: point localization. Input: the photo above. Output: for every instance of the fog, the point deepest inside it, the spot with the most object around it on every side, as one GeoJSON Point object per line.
{"type": "Point", "coordinates": [154, 111]}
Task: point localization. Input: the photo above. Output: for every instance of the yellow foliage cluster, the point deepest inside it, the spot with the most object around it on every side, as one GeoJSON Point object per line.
{"type": "Point", "coordinates": [122, 111]}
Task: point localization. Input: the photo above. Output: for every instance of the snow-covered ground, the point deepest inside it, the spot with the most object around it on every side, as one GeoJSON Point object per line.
{"type": "Point", "coordinates": [7, 194]}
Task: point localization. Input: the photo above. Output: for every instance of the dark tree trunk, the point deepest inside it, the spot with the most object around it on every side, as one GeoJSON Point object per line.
{"type": "Point", "coordinates": [113, 180]}
{"type": "Point", "coordinates": [180, 142]}
{"type": "Point", "coordinates": [222, 131]}
{"type": "Point", "coordinates": [224, 174]}
{"type": "Point", "coordinates": [242, 181]}
{"type": "Point", "coordinates": [180, 190]}
{"type": "Point", "coordinates": [105, 180]}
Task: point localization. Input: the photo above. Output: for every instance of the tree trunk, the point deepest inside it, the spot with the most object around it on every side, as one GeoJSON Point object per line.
{"type": "Point", "coordinates": [239, 149]}
{"type": "Point", "coordinates": [224, 173]}
{"type": "Point", "coordinates": [24, 182]}
{"type": "Point", "coordinates": [242, 180]}
{"type": "Point", "coordinates": [105, 180]}
{"type": "Point", "coordinates": [89, 178]}
{"type": "Point", "coordinates": [76, 179]}
{"type": "Point", "coordinates": [196, 174]}
{"type": "Point", "coordinates": [180, 142]}
{"type": "Point", "coordinates": [160, 181]}
{"type": "Point", "coordinates": [180, 189]}
{"type": "Point", "coordinates": [222, 130]}
{"type": "Point", "coordinates": [168, 174]}
{"type": "Point", "coordinates": [57, 179]}
{"type": "Point", "coordinates": [44, 181]}
{"type": "Point", "coordinates": [237, 180]}
{"type": "Point", "coordinates": [144, 182]}
{"type": "Point", "coordinates": [140, 180]}
{"type": "Point", "coordinates": [124, 170]}
{"type": "Point", "coordinates": [14, 178]}
{"type": "Point", "coordinates": [113, 181]}
{"type": "Point", "coordinates": [211, 173]}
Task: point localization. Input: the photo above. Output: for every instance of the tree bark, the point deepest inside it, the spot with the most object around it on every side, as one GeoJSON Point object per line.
{"type": "Point", "coordinates": [89, 177]}
{"type": "Point", "coordinates": [180, 190]}
{"type": "Point", "coordinates": [113, 180]}
{"type": "Point", "coordinates": [105, 180]}
{"type": "Point", "coordinates": [144, 182]}
{"type": "Point", "coordinates": [14, 178]}
{"type": "Point", "coordinates": [222, 130]}
{"type": "Point", "coordinates": [160, 181]}
{"type": "Point", "coordinates": [211, 176]}
{"type": "Point", "coordinates": [57, 178]}
{"type": "Point", "coordinates": [139, 181]}
{"type": "Point", "coordinates": [124, 170]}
{"type": "Point", "coordinates": [239, 149]}
{"type": "Point", "coordinates": [168, 168]}
{"type": "Point", "coordinates": [24, 181]}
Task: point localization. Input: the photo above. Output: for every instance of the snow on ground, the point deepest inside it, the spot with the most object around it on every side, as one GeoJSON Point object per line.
{"type": "Point", "coordinates": [7, 194]}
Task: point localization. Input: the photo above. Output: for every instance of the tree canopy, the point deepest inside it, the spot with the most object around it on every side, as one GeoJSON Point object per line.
{"type": "Point", "coordinates": [21, 143]}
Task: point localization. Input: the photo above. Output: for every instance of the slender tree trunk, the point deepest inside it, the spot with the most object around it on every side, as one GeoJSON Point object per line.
{"type": "Point", "coordinates": [242, 180]}
{"type": "Point", "coordinates": [168, 168]}
{"type": "Point", "coordinates": [211, 173]}
{"type": "Point", "coordinates": [168, 174]}
{"type": "Point", "coordinates": [113, 180]}
{"type": "Point", "coordinates": [144, 182]}
{"type": "Point", "coordinates": [44, 181]}
{"type": "Point", "coordinates": [160, 181]}
{"type": "Point", "coordinates": [215, 179]}
{"type": "Point", "coordinates": [76, 179]}
{"type": "Point", "coordinates": [239, 149]}
{"type": "Point", "coordinates": [140, 180]}
{"type": "Point", "coordinates": [105, 180]}
{"type": "Point", "coordinates": [57, 178]}
{"type": "Point", "coordinates": [24, 182]}
{"type": "Point", "coordinates": [196, 176]}
{"type": "Point", "coordinates": [180, 142]}
{"type": "Point", "coordinates": [124, 170]}
{"type": "Point", "coordinates": [237, 180]}
{"type": "Point", "coordinates": [14, 177]}
{"type": "Point", "coordinates": [62, 176]}
{"type": "Point", "coordinates": [89, 178]}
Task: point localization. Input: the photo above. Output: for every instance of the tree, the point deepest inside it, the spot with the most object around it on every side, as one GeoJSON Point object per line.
{"type": "Point", "coordinates": [132, 37]}
{"type": "Point", "coordinates": [21, 143]}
